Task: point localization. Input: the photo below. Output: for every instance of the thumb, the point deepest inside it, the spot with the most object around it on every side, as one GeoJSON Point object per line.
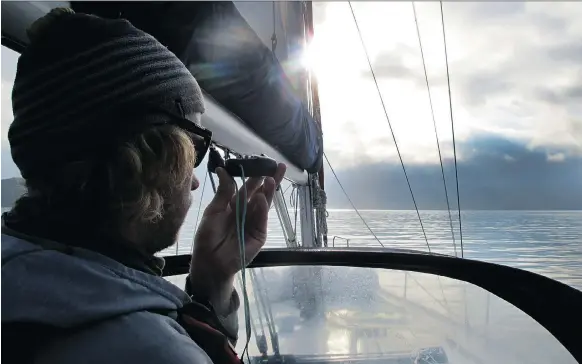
{"type": "Point", "coordinates": [223, 194]}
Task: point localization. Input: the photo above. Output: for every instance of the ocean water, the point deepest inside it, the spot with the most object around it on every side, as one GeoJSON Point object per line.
{"type": "Point", "coordinates": [544, 242]}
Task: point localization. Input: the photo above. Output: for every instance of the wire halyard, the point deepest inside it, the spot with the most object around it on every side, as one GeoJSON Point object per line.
{"type": "Point", "coordinates": [199, 208]}
{"type": "Point", "coordinates": [453, 130]}
{"type": "Point", "coordinates": [240, 228]}
{"type": "Point", "coordinates": [350, 200]}
{"type": "Point", "coordinates": [435, 127]}
{"type": "Point", "coordinates": [389, 124]}
{"type": "Point", "coordinates": [294, 202]}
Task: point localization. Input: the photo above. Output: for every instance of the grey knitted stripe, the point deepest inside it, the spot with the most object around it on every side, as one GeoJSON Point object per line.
{"type": "Point", "coordinates": [112, 91]}
{"type": "Point", "coordinates": [152, 61]}
{"type": "Point", "coordinates": [150, 85]}
{"type": "Point", "coordinates": [74, 72]}
{"type": "Point", "coordinates": [85, 56]}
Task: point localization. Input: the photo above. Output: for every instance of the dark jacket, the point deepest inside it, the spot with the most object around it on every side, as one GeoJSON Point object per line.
{"type": "Point", "coordinates": [109, 312]}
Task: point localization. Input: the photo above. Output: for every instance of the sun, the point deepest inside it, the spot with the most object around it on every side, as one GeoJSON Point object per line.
{"type": "Point", "coordinates": [313, 58]}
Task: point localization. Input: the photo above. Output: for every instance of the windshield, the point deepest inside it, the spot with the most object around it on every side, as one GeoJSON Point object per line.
{"type": "Point", "coordinates": [387, 316]}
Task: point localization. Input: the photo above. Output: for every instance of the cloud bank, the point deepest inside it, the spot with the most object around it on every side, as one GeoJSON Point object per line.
{"type": "Point", "coordinates": [499, 175]}
{"type": "Point", "coordinates": [516, 72]}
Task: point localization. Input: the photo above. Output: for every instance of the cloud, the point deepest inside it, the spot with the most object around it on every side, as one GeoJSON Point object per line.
{"type": "Point", "coordinates": [501, 174]}
{"type": "Point", "coordinates": [557, 158]}
{"type": "Point", "coordinates": [516, 71]}
{"type": "Point", "coordinates": [508, 158]}
{"type": "Point", "coordinates": [319, 11]}
{"type": "Point", "coordinates": [397, 64]}
{"type": "Point", "coordinates": [9, 169]}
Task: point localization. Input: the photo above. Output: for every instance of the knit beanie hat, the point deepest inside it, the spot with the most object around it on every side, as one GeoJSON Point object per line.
{"type": "Point", "coordinates": [85, 81]}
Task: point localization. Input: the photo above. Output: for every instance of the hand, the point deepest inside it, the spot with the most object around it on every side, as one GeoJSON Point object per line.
{"type": "Point", "coordinates": [216, 258]}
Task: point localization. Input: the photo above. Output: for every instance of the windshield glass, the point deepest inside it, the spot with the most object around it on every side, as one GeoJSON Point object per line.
{"type": "Point", "coordinates": [387, 316]}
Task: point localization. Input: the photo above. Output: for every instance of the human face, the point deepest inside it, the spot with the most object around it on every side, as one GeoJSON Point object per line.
{"type": "Point", "coordinates": [164, 233]}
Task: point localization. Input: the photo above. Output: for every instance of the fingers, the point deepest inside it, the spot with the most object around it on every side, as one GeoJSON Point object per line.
{"type": "Point", "coordinates": [223, 193]}
{"type": "Point", "coordinates": [281, 169]}
{"type": "Point", "coordinates": [270, 184]}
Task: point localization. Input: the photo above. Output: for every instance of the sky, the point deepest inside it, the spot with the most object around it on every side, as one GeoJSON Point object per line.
{"type": "Point", "coordinates": [516, 87]}
{"type": "Point", "coordinates": [516, 93]}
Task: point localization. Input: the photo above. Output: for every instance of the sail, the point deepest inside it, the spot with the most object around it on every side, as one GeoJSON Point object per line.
{"type": "Point", "coordinates": [234, 66]}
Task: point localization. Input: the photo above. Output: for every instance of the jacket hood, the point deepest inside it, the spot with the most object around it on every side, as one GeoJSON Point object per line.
{"type": "Point", "coordinates": [58, 285]}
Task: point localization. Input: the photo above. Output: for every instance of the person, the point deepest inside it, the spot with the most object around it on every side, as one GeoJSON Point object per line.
{"type": "Point", "coordinates": [106, 134]}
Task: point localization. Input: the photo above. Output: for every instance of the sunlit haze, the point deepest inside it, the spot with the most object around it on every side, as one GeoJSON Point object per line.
{"type": "Point", "coordinates": [515, 74]}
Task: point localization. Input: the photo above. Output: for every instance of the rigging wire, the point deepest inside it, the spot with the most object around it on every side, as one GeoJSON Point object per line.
{"type": "Point", "coordinates": [287, 189]}
{"type": "Point", "coordinates": [260, 303]}
{"type": "Point", "coordinates": [435, 127]}
{"type": "Point", "coordinates": [198, 214]}
{"type": "Point", "coordinates": [350, 200]}
{"type": "Point", "coordinates": [258, 339]}
{"type": "Point", "coordinates": [240, 227]}
{"type": "Point", "coordinates": [389, 124]}
{"type": "Point", "coordinates": [453, 130]}
{"type": "Point", "coordinates": [294, 201]}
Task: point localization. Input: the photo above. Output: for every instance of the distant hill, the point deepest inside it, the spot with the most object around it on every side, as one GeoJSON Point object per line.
{"type": "Point", "coordinates": [12, 189]}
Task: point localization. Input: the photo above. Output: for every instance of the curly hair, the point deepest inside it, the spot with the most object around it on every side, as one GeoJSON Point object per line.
{"type": "Point", "coordinates": [131, 182]}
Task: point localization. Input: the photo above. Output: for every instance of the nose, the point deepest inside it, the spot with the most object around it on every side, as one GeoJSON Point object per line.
{"type": "Point", "coordinates": [195, 183]}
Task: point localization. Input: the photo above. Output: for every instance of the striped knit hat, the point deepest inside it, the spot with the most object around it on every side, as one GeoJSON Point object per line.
{"type": "Point", "coordinates": [77, 76]}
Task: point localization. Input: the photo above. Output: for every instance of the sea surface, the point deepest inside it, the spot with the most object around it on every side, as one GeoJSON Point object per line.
{"type": "Point", "coordinates": [544, 242]}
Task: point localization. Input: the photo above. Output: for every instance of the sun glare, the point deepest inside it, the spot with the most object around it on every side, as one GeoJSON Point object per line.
{"type": "Point", "coordinates": [313, 58]}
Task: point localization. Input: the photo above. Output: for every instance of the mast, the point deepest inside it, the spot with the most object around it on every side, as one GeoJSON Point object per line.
{"type": "Point", "coordinates": [311, 196]}
{"type": "Point", "coordinates": [297, 30]}
{"type": "Point", "coordinates": [319, 184]}
{"type": "Point", "coordinates": [307, 280]}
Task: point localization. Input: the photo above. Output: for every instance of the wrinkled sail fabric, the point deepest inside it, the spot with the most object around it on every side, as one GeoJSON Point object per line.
{"type": "Point", "coordinates": [233, 65]}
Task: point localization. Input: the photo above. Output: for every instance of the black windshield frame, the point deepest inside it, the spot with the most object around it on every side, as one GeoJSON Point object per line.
{"type": "Point", "coordinates": [554, 305]}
